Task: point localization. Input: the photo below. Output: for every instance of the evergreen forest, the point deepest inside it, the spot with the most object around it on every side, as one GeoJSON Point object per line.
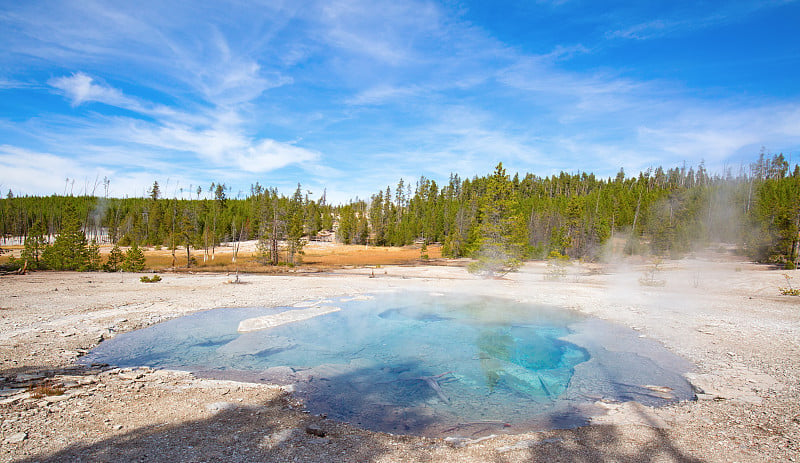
{"type": "Point", "coordinates": [498, 219]}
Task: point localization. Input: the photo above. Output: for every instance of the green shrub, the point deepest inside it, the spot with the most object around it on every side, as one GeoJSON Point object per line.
{"type": "Point", "coordinates": [789, 290]}
{"type": "Point", "coordinates": [556, 266]}
{"type": "Point", "coordinates": [134, 260]}
{"type": "Point", "coordinates": [152, 279]}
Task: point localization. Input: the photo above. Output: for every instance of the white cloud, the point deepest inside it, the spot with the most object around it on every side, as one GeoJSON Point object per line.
{"type": "Point", "coordinates": [222, 147]}
{"type": "Point", "coordinates": [31, 172]}
{"type": "Point", "coordinates": [81, 88]}
{"type": "Point", "coordinates": [383, 93]}
{"type": "Point", "coordinates": [8, 84]}
{"type": "Point", "coordinates": [215, 135]}
{"type": "Point", "coordinates": [717, 135]}
{"type": "Point", "coordinates": [229, 78]}
{"type": "Point", "coordinates": [38, 173]}
{"type": "Point", "coordinates": [270, 155]}
{"type": "Point", "coordinates": [385, 31]}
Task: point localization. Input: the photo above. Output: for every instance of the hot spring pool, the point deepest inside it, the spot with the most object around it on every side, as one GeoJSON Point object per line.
{"type": "Point", "coordinates": [419, 363]}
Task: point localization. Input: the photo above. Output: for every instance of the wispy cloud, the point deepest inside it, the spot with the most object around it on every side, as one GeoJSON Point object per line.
{"type": "Point", "coordinates": [693, 17]}
{"type": "Point", "coordinates": [385, 31]}
{"type": "Point", "coordinates": [30, 171]}
{"type": "Point", "coordinates": [216, 137]}
{"type": "Point", "coordinates": [383, 93]}
{"type": "Point", "coordinates": [719, 134]}
{"type": "Point", "coordinates": [220, 146]}
{"type": "Point", "coordinates": [11, 84]}
{"type": "Point", "coordinates": [647, 30]}
{"type": "Point", "coordinates": [81, 88]}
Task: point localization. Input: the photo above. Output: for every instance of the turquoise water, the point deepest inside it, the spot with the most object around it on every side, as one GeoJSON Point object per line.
{"type": "Point", "coordinates": [412, 363]}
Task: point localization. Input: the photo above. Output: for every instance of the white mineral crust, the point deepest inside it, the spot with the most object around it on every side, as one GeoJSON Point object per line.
{"type": "Point", "coordinates": [282, 318]}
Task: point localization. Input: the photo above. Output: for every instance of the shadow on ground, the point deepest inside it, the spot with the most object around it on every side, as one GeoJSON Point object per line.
{"type": "Point", "coordinates": [244, 435]}
{"type": "Point", "coordinates": [277, 431]}
{"type": "Point", "coordinates": [235, 433]}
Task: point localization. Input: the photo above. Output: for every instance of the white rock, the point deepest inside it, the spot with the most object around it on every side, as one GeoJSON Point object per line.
{"type": "Point", "coordinates": [217, 407]}
{"type": "Point", "coordinates": [56, 398]}
{"type": "Point", "coordinates": [16, 438]}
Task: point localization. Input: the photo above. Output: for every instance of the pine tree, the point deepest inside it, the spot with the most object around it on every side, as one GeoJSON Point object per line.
{"type": "Point", "coordinates": [155, 191]}
{"type": "Point", "coordinates": [95, 261]}
{"type": "Point", "coordinates": [35, 244]}
{"type": "Point", "coordinates": [295, 233]}
{"type": "Point", "coordinates": [115, 260]}
{"type": "Point", "coordinates": [70, 250]}
{"type": "Point", "coordinates": [134, 260]}
{"type": "Point", "coordinates": [499, 248]}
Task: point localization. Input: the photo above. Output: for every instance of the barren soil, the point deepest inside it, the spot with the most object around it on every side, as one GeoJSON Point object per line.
{"type": "Point", "coordinates": [725, 317]}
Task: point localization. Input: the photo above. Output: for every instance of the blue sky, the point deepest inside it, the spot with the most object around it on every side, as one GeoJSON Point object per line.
{"type": "Point", "coordinates": [353, 95]}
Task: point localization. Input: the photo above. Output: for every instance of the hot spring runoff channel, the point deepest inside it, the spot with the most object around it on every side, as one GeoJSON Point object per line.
{"type": "Point", "coordinates": [419, 363]}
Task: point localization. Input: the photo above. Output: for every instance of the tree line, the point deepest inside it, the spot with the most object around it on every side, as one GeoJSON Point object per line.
{"type": "Point", "coordinates": [498, 219]}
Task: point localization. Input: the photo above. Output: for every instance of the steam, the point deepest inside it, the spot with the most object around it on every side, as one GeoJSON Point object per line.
{"type": "Point", "coordinates": [95, 220]}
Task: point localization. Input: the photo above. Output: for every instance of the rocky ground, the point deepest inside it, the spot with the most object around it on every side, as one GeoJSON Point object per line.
{"type": "Point", "coordinates": [727, 318]}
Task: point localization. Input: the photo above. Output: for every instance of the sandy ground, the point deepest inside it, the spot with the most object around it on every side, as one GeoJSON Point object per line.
{"type": "Point", "coordinates": [726, 317]}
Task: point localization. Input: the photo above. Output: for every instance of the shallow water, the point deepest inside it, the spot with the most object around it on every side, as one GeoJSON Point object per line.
{"type": "Point", "coordinates": [422, 363]}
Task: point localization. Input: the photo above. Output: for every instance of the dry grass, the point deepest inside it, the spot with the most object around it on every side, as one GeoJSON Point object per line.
{"type": "Point", "coordinates": [47, 388]}
{"type": "Point", "coordinates": [341, 255]}
{"type": "Point", "coordinates": [316, 256]}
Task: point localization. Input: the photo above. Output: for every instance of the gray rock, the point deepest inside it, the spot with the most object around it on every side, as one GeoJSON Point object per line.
{"type": "Point", "coordinates": [315, 430]}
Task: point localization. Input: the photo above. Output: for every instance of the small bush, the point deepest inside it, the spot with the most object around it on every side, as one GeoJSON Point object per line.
{"type": "Point", "coordinates": [556, 266]}
{"type": "Point", "coordinates": [789, 291]}
{"type": "Point", "coordinates": [789, 265]}
{"type": "Point", "coordinates": [125, 240]}
{"type": "Point", "coordinates": [152, 279]}
{"type": "Point", "coordinates": [650, 275]}
{"type": "Point", "coordinates": [46, 388]}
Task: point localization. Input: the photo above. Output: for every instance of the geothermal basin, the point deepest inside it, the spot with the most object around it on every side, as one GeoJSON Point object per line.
{"type": "Point", "coordinates": [420, 363]}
